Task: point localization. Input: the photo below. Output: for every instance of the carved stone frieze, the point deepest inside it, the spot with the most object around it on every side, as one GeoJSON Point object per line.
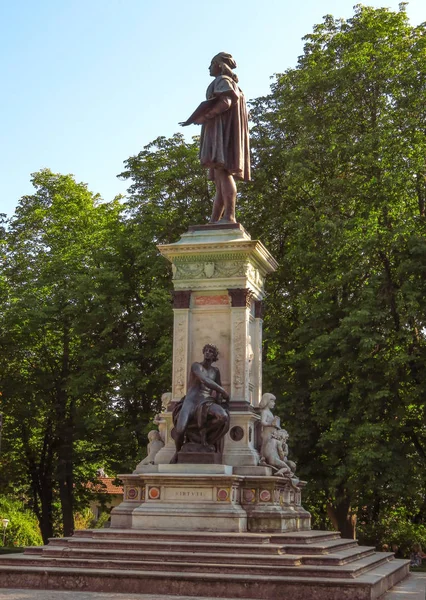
{"type": "Point", "coordinates": [209, 269]}
{"type": "Point", "coordinates": [239, 355]}
{"type": "Point", "coordinates": [190, 268]}
{"type": "Point", "coordinates": [180, 355]}
{"type": "Point", "coordinates": [231, 268]}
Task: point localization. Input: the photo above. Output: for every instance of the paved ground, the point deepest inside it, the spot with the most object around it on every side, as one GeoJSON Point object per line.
{"type": "Point", "coordinates": [413, 588]}
{"type": "Point", "coordinates": [52, 595]}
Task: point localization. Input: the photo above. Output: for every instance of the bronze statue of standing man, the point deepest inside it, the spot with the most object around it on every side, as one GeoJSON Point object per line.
{"type": "Point", "coordinates": [224, 147]}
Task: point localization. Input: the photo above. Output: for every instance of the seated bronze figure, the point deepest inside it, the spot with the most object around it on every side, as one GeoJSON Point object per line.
{"type": "Point", "coordinates": [202, 416]}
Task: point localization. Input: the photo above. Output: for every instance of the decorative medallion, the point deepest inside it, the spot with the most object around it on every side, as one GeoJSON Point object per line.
{"type": "Point", "coordinates": [265, 496]}
{"type": "Point", "coordinates": [249, 495]}
{"type": "Point", "coordinates": [223, 494]}
{"type": "Point", "coordinates": [154, 493]}
{"type": "Point", "coordinates": [132, 493]}
{"type": "Point", "coordinates": [237, 433]}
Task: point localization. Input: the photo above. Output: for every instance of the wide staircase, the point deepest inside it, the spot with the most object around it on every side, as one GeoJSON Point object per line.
{"type": "Point", "coordinates": [287, 566]}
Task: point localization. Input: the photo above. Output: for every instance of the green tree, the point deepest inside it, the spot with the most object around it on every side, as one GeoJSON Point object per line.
{"type": "Point", "coordinates": [22, 529]}
{"type": "Point", "coordinates": [54, 339]}
{"type": "Point", "coordinates": [339, 197]}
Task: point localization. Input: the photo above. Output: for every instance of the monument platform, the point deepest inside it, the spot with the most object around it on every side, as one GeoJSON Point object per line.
{"type": "Point", "coordinates": [287, 566]}
{"type": "Point", "coordinates": [190, 497]}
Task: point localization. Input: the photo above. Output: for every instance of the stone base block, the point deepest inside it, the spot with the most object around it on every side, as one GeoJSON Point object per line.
{"type": "Point", "coordinates": [190, 517]}
{"type": "Point", "coordinates": [199, 458]}
{"type": "Point", "coordinates": [254, 471]}
{"type": "Point", "coordinates": [185, 497]}
{"type": "Point", "coordinates": [277, 519]}
{"type": "Point", "coordinates": [239, 448]}
{"type": "Point", "coordinates": [273, 504]}
{"type": "Point", "coordinates": [146, 469]}
{"type": "Point", "coordinates": [202, 469]}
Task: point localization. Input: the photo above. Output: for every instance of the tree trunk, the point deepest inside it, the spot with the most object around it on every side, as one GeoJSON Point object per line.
{"type": "Point", "coordinates": [65, 438]}
{"type": "Point", "coordinates": [46, 520]}
{"type": "Point", "coordinates": [40, 472]}
{"type": "Point", "coordinates": [342, 518]}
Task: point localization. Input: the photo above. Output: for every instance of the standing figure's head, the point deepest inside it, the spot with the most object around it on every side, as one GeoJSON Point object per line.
{"type": "Point", "coordinates": [211, 352]}
{"type": "Point", "coordinates": [222, 64]}
{"type": "Point", "coordinates": [267, 401]}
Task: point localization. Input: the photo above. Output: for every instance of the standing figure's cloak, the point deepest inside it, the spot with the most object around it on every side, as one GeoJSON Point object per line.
{"type": "Point", "coordinates": [225, 137]}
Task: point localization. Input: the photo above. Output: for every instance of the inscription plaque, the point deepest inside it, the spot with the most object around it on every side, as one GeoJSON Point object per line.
{"type": "Point", "coordinates": [181, 494]}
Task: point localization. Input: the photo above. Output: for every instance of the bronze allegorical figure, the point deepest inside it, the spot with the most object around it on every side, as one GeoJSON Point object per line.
{"type": "Point", "coordinates": [201, 417]}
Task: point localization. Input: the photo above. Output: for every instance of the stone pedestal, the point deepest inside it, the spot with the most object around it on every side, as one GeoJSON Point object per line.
{"type": "Point", "coordinates": [218, 277]}
{"type": "Point", "coordinates": [185, 497]}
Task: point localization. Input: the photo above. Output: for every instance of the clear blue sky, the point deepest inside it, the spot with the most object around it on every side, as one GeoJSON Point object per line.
{"type": "Point", "coordinates": [88, 83]}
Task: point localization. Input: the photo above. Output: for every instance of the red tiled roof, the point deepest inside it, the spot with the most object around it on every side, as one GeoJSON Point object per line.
{"type": "Point", "coordinates": [107, 488]}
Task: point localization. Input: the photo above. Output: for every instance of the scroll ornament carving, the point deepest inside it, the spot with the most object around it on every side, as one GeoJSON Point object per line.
{"type": "Point", "coordinates": [210, 269]}
{"type": "Point", "coordinates": [179, 357]}
{"type": "Point", "coordinates": [188, 271]}
{"type": "Point", "coordinates": [231, 268]}
{"type": "Point", "coordinates": [239, 353]}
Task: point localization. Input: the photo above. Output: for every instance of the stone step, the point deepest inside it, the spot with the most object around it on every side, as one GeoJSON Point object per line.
{"type": "Point", "coordinates": [323, 547]}
{"type": "Point", "coordinates": [369, 586]}
{"type": "Point", "coordinates": [165, 557]}
{"type": "Point", "coordinates": [34, 549]}
{"type": "Point", "coordinates": [304, 537]}
{"type": "Point", "coordinates": [198, 563]}
{"type": "Point", "coordinates": [298, 537]}
{"type": "Point", "coordinates": [312, 544]}
{"type": "Point", "coordinates": [167, 546]}
{"type": "Point", "coordinates": [339, 558]}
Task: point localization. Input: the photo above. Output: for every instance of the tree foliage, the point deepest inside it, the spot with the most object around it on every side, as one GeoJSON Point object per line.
{"type": "Point", "coordinates": [22, 529]}
{"type": "Point", "coordinates": [338, 195]}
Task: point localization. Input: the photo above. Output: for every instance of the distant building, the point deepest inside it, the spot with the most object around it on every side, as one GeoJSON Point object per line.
{"type": "Point", "coordinates": [105, 486]}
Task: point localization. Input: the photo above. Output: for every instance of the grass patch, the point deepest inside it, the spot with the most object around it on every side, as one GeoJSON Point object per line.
{"type": "Point", "coordinates": [421, 569]}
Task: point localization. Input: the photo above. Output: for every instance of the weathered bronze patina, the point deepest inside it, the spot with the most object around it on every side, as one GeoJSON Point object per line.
{"type": "Point", "coordinates": [201, 418]}
{"type": "Point", "coordinates": [224, 147]}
